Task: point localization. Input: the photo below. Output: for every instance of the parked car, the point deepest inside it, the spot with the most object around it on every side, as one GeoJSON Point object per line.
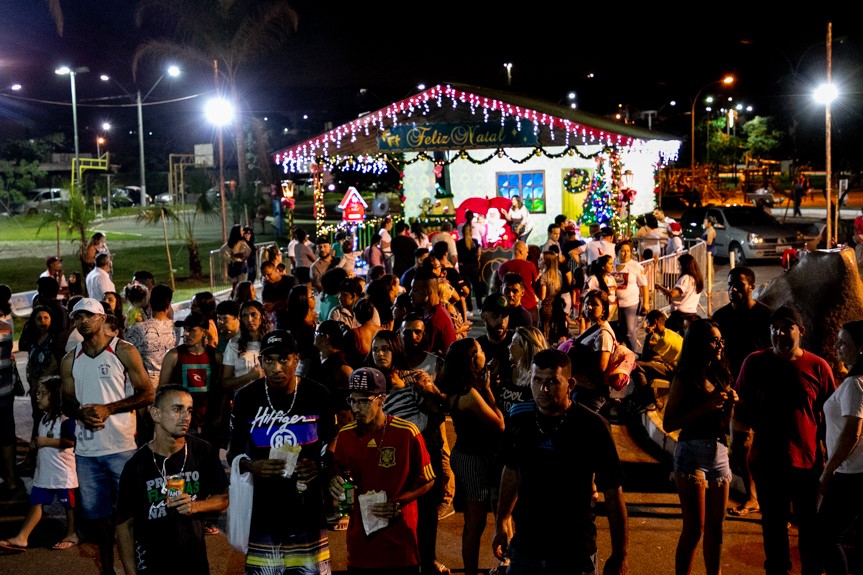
{"type": "Point", "coordinates": [42, 200]}
{"type": "Point", "coordinates": [166, 199]}
{"type": "Point", "coordinates": [134, 193]}
{"type": "Point", "coordinates": [746, 231]}
{"type": "Point", "coordinates": [120, 198]}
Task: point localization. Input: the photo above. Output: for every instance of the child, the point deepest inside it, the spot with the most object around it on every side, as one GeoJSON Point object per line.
{"type": "Point", "coordinates": [55, 475]}
{"type": "Point", "coordinates": [136, 296]}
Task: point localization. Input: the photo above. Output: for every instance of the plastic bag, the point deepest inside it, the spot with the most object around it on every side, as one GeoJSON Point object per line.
{"type": "Point", "coordinates": [240, 496]}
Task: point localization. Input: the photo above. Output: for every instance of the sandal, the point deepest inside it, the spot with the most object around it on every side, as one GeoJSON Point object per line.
{"type": "Point", "coordinates": [7, 547]}
{"type": "Point", "coordinates": [64, 544]}
{"type": "Point", "coordinates": [500, 569]}
{"type": "Point", "coordinates": [742, 510]}
{"type": "Point", "coordinates": [211, 530]}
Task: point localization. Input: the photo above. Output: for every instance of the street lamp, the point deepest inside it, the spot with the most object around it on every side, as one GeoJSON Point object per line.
{"type": "Point", "coordinates": [727, 80]}
{"type": "Point", "coordinates": [220, 112]}
{"type": "Point", "coordinates": [825, 94]}
{"type": "Point", "coordinates": [508, 66]}
{"type": "Point", "coordinates": [100, 139]}
{"type": "Point", "coordinates": [72, 72]}
{"type": "Point", "coordinates": [172, 71]}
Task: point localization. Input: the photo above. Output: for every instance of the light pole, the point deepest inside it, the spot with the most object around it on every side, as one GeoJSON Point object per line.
{"type": "Point", "coordinates": [220, 112]}
{"type": "Point", "coordinates": [173, 71]}
{"type": "Point", "coordinates": [72, 72]}
{"type": "Point", "coordinates": [727, 80]}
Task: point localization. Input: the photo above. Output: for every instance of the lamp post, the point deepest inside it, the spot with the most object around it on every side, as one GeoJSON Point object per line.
{"type": "Point", "coordinates": [220, 112]}
{"type": "Point", "coordinates": [172, 71]}
{"type": "Point", "coordinates": [727, 80]}
{"type": "Point", "coordinates": [508, 66]}
{"type": "Point", "coordinates": [72, 72]}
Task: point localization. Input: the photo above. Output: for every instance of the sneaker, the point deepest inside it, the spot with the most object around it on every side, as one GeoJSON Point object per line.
{"type": "Point", "coordinates": [444, 510]}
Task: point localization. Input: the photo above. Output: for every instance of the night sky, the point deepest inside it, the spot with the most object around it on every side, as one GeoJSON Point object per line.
{"type": "Point", "coordinates": [641, 58]}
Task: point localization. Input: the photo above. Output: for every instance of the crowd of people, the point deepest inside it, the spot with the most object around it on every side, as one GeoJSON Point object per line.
{"type": "Point", "coordinates": [327, 386]}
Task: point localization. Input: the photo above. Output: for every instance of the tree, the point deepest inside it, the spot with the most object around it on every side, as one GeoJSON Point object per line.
{"type": "Point", "coordinates": [762, 139]}
{"type": "Point", "coordinates": [232, 33]}
{"type": "Point", "coordinates": [203, 208]}
{"type": "Point", "coordinates": [75, 216]}
{"type": "Point", "coordinates": [599, 205]}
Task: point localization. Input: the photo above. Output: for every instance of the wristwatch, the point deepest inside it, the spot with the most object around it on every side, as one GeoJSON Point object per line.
{"type": "Point", "coordinates": [398, 508]}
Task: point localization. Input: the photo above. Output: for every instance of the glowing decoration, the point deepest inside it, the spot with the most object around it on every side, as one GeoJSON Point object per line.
{"type": "Point", "coordinates": [353, 206]}
{"type": "Point", "coordinates": [563, 131]}
{"type": "Point", "coordinates": [576, 181]}
{"type": "Point", "coordinates": [600, 205]}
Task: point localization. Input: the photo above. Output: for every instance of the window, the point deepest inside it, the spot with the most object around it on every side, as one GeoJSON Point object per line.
{"type": "Point", "coordinates": [529, 185]}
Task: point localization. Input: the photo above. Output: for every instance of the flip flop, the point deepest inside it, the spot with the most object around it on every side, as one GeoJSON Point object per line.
{"type": "Point", "coordinates": [8, 547]}
{"type": "Point", "coordinates": [211, 530]}
{"type": "Point", "coordinates": [742, 511]}
{"type": "Point", "coordinates": [63, 545]}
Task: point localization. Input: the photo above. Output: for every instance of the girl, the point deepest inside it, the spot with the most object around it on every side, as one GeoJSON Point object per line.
{"type": "Point", "coordinates": [601, 278]}
{"type": "Point", "coordinates": [842, 478]}
{"type": "Point", "coordinates": [245, 291]}
{"type": "Point", "coordinates": [383, 292]}
{"type": "Point", "coordinates": [685, 294]}
{"type": "Point", "coordinates": [137, 297]}
{"type": "Point", "coordinates": [700, 402]}
{"type": "Point", "coordinates": [204, 302]}
{"type": "Point", "coordinates": [419, 235]}
{"type": "Point", "coordinates": [235, 253]}
{"type": "Point", "coordinates": [551, 318]}
{"type": "Point", "coordinates": [115, 302]}
{"type": "Point", "coordinates": [526, 341]}
{"type": "Point", "coordinates": [302, 319]}
{"type": "Point", "coordinates": [7, 391]}
{"type": "Point", "coordinates": [631, 284]}
{"type": "Point", "coordinates": [469, 255]}
{"type": "Point", "coordinates": [240, 362]}
{"type": "Point", "coordinates": [478, 424]}
{"type": "Point", "coordinates": [56, 474]}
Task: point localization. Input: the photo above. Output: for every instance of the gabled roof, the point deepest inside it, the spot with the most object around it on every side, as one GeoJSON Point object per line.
{"type": "Point", "coordinates": [542, 124]}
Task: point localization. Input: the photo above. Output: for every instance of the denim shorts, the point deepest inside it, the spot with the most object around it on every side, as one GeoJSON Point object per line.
{"type": "Point", "coordinates": [99, 482]}
{"type": "Point", "coordinates": [703, 460]}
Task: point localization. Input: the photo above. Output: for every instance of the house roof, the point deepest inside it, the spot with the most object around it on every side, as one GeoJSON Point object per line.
{"type": "Point", "coordinates": [528, 122]}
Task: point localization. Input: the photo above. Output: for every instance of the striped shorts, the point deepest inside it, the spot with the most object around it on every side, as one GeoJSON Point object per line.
{"type": "Point", "coordinates": [300, 554]}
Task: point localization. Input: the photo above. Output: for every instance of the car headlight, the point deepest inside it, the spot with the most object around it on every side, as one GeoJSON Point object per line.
{"type": "Point", "coordinates": [754, 238]}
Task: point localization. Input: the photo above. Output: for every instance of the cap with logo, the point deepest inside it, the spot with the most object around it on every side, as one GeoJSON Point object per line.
{"type": "Point", "coordinates": [367, 380]}
{"type": "Point", "coordinates": [787, 314]}
{"type": "Point", "coordinates": [88, 304]}
{"type": "Point", "coordinates": [278, 341]}
{"type": "Point", "coordinates": [496, 304]}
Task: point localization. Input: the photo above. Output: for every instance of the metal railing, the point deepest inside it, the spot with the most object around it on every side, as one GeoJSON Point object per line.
{"type": "Point", "coordinates": [663, 270]}
{"type": "Point", "coordinates": [219, 280]}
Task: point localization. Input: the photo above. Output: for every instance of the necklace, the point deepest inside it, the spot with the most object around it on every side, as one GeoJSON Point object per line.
{"type": "Point", "coordinates": [556, 427]}
{"type": "Point", "coordinates": [162, 470]}
{"type": "Point", "coordinates": [293, 401]}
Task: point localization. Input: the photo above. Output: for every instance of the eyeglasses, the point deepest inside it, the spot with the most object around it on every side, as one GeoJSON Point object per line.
{"type": "Point", "coordinates": [364, 402]}
{"type": "Point", "coordinates": [717, 341]}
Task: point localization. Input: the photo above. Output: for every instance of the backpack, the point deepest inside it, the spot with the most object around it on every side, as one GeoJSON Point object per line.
{"type": "Point", "coordinates": [620, 366]}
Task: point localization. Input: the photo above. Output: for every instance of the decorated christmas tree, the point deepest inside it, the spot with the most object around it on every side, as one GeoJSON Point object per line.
{"type": "Point", "coordinates": [600, 206]}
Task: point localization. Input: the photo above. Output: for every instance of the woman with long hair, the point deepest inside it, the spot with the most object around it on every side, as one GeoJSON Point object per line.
{"type": "Point", "coordinates": [204, 302]}
{"type": "Point", "coordinates": [240, 363]}
{"type": "Point", "coordinates": [382, 292]}
{"type": "Point", "coordinates": [97, 244]}
{"type": "Point", "coordinates": [469, 253]}
{"type": "Point", "coordinates": [419, 235]}
{"type": "Point", "coordinates": [235, 253]}
{"type": "Point", "coordinates": [685, 294]}
{"type": "Point", "coordinates": [519, 219]}
{"type": "Point", "coordinates": [632, 285]}
{"type": "Point", "coordinates": [478, 424]}
{"type": "Point", "coordinates": [551, 318]}
{"type": "Point", "coordinates": [700, 403]}
{"type": "Point", "coordinates": [301, 320]}
{"type": "Point", "coordinates": [526, 342]}
{"type": "Point", "coordinates": [115, 302]}
{"type": "Point", "coordinates": [590, 351]}
{"type": "Point", "coordinates": [600, 276]}
{"type": "Point", "coordinates": [841, 482]}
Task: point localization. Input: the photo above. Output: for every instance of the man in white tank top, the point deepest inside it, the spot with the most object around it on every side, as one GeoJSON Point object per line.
{"type": "Point", "coordinates": [104, 381]}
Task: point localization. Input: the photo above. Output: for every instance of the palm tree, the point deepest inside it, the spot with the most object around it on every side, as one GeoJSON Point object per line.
{"type": "Point", "coordinates": [76, 216]}
{"type": "Point", "coordinates": [231, 33]}
{"type": "Point", "coordinates": [204, 208]}
{"type": "Point", "coordinates": [56, 13]}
